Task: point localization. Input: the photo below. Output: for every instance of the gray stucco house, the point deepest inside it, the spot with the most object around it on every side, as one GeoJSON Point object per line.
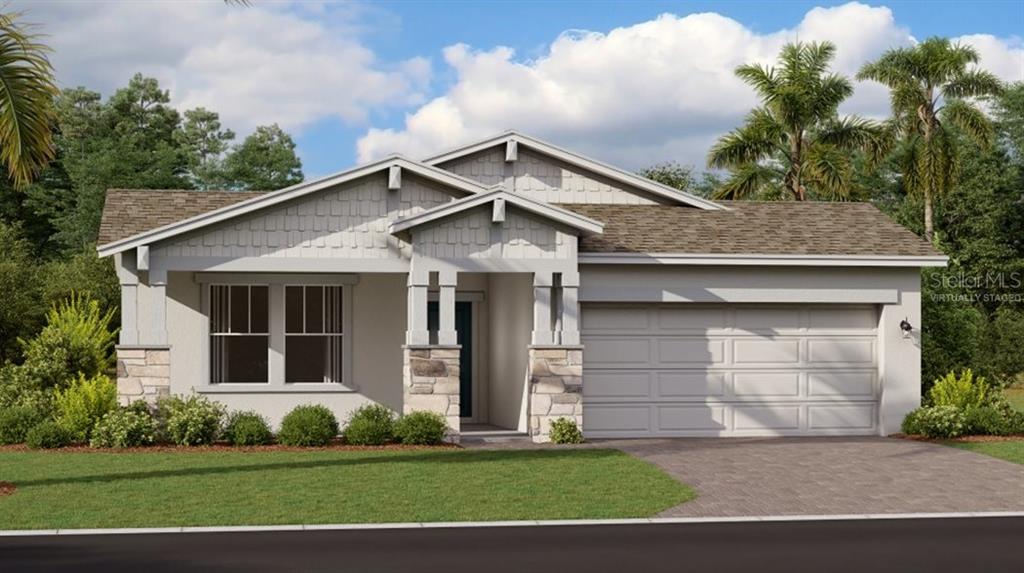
{"type": "Point", "coordinates": [511, 282]}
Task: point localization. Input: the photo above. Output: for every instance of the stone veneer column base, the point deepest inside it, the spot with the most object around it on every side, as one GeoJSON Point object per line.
{"type": "Point", "coordinates": [143, 373]}
{"type": "Point", "coordinates": [431, 382]}
{"type": "Point", "coordinates": [556, 388]}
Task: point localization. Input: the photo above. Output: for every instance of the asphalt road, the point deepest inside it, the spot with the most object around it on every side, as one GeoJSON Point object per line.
{"type": "Point", "coordinates": [969, 544]}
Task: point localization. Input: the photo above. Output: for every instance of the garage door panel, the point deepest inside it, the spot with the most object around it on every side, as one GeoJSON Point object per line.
{"type": "Point", "coordinates": [859, 384]}
{"type": "Point", "coordinates": [766, 384]}
{"type": "Point", "coordinates": [841, 350]}
{"type": "Point", "coordinates": [766, 417]}
{"type": "Point", "coordinates": [690, 351]}
{"type": "Point", "coordinates": [766, 351]}
{"type": "Point", "coordinates": [705, 418]}
{"type": "Point", "coordinates": [729, 370]}
{"type": "Point", "coordinates": [853, 417]}
{"type": "Point", "coordinates": [690, 384]}
{"type": "Point", "coordinates": [618, 384]}
{"type": "Point", "coordinates": [619, 351]}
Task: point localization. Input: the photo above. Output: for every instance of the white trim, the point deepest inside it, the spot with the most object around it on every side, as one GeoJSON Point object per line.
{"type": "Point", "coordinates": [578, 160]}
{"type": "Point", "coordinates": [762, 260]}
{"type": "Point", "coordinates": [546, 210]}
{"type": "Point", "coordinates": [275, 197]}
{"type": "Point", "coordinates": [277, 278]}
{"type": "Point", "coordinates": [513, 523]}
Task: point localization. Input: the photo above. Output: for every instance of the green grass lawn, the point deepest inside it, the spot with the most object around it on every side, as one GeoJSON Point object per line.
{"type": "Point", "coordinates": [1010, 450]}
{"type": "Point", "coordinates": [150, 489]}
{"type": "Point", "coordinates": [1016, 397]}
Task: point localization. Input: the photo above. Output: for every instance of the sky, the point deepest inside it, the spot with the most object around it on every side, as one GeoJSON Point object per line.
{"type": "Point", "coordinates": [629, 83]}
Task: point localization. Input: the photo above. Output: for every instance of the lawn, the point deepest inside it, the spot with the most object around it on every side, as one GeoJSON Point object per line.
{"type": "Point", "coordinates": [1016, 397]}
{"type": "Point", "coordinates": [1010, 450]}
{"type": "Point", "coordinates": [178, 488]}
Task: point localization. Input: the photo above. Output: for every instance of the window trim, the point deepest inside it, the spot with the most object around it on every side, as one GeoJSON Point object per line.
{"type": "Point", "coordinates": [344, 335]}
{"type": "Point", "coordinates": [229, 333]}
{"type": "Point", "coordinates": [276, 326]}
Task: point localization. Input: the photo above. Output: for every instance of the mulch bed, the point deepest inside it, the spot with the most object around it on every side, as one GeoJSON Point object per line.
{"type": "Point", "coordinates": [6, 488]}
{"type": "Point", "coordinates": [337, 446]}
{"type": "Point", "coordinates": [965, 439]}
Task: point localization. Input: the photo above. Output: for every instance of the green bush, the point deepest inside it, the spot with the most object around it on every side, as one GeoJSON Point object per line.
{"type": "Point", "coordinates": [370, 425]}
{"type": "Point", "coordinates": [421, 428]}
{"type": "Point", "coordinates": [962, 392]}
{"type": "Point", "coordinates": [986, 421]}
{"type": "Point", "coordinates": [16, 421]}
{"type": "Point", "coordinates": [565, 431]}
{"type": "Point", "coordinates": [192, 421]}
{"type": "Point", "coordinates": [76, 339]}
{"type": "Point", "coordinates": [308, 425]}
{"type": "Point", "coordinates": [247, 429]}
{"type": "Point", "coordinates": [123, 428]}
{"type": "Point", "coordinates": [83, 403]}
{"type": "Point", "coordinates": [935, 422]}
{"type": "Point", "coordinates": [19, 388]}
{"type": "Point", "coordinates": [47, 435]}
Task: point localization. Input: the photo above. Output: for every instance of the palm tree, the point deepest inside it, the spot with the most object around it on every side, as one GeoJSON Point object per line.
{"type": "Point", "coordinates": [27, 89]}
{"type": "Point", "coordinates": [928, 84]}
{"type": "Point", "coordinates": [795, 140]}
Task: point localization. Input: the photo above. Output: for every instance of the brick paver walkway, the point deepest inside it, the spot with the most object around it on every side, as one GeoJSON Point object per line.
{"type": "Point", "coordinates": [779, 476]}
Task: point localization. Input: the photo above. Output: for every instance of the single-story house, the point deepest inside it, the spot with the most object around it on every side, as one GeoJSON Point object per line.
{"type": "Point", "coordinates": [511, 282]}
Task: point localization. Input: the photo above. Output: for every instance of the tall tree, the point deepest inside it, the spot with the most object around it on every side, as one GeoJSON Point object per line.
{"type": "Point", "coordinates": [204, 142]}
{"type": "Point", "coordinates": [929, 85]}
{"type": "Point", "coordinates": [794, 144]}
{"type": "Point", "coordinates": [27, 89]}
{"type": "Point", "coordinates": [265, 161]}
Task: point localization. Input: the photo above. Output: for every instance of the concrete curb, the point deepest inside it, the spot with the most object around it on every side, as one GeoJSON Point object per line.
{"type": "Point", "coordinates": [496, 524]}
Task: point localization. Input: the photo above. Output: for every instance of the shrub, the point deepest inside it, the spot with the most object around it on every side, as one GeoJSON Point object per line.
{"type": "Point", "coordinates": [123, 428]}
{"type": "Point", "coordinates": [47, 435]}
{"type": "Point", "coordinates": [18, 388]}
{"type": "Point", "coordinates": [986, 421]}
{"type": "Point", "coordinates": [83, 403]}
{"type": "Point", "coordinates": [565, 431]}
{"type": "Point", "coordinates": [76, 339]}
{"type": "Point", "coordinates": [192, 421]}
{"type": "Point", "coordinates": [16, 421]}
{"type": "Point", "coordinates": [963, 392]}
{"type": "Point", "coordinates": [370, 425]}
{"type": "Point", "coordinates": [421, 428]}
{"type": "Point", "coordinates": [935, 422]}
{"type": "Point", "coordinates": [247, 429]}
{"type": "Point", "coordinates": [308, 425]}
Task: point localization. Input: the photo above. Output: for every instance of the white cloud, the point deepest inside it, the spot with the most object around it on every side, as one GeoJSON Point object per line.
{"type": "Point", "coordinates": [658, 90]}
{"type": "Point", "coordinates": [290, 64]}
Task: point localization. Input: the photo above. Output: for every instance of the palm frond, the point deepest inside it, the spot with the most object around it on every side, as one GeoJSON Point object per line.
{"type": "Point", "coordinates": [762, 78]}
{"type": "Point", "coordinates": [973, 83]}
{"type": "Point", "coordinates": [969, 119]}
{"type": "Point", "coordinates": [853, 133]}
{"type": "Point", "coordinates": [27, 89]}
{"type": "Point", "coordinates": [746, 182]}
{"type": "Point", "coordinates": [828, 170]}
{"type": "Point", "coordinates": [755, 140]}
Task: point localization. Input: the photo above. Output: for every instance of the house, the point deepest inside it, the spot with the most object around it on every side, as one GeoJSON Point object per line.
{"type": "Point", "coordinates": [511, 282]}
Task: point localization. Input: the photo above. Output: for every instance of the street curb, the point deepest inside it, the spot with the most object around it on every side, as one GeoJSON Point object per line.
{"type": "Point", "coordinates": [497, 524]}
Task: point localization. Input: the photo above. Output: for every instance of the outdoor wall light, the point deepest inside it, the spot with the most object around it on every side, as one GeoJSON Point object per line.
{"type": "Point", "coordinates": [906, 328]}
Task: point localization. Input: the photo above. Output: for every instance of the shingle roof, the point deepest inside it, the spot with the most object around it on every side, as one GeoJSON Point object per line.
{"type": "Point", "coordinates": [747, 228]}
{"type": "Point", "coordinates": [129, 212]}
{"type": "Point", "coordinates": [751, 228]}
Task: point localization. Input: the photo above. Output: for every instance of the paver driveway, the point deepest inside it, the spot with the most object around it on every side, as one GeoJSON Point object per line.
{"type": "Point", "coordinates": [780, 476]}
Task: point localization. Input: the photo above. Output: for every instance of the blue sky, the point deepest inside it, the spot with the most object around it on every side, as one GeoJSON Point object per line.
{"type": "Point", "coordinates": [356, 80]}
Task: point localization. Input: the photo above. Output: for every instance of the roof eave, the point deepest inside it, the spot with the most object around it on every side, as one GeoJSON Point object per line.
{"type": "Point", "coordinates": [708, 259]}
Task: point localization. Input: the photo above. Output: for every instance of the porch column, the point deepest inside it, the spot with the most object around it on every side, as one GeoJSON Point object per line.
{"type": "Point", "coordinates": [542, 332]}
{"type": "Point", "coordinates": [156, 333]}
{"type": "Point", "coordinates": [143, 357]}
{"type": "Point", "coordinates": [570, 334]}
{"type": "Point", "coordinates": [128, 277]}
{"type": "Point", "coordinates": [446, 335]}
{"type": "Point", "coordinates": [416, 327]}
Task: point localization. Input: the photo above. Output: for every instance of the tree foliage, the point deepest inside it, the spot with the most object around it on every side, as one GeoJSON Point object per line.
{"type": "Point", "coordinates": [265, 161]}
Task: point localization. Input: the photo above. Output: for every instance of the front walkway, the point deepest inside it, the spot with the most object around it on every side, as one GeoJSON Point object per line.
{"type": "Point", "coordinates": [817, 476]}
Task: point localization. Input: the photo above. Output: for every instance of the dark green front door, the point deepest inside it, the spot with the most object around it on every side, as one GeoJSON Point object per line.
{"type": "Point", "coordinates": [464, 330]}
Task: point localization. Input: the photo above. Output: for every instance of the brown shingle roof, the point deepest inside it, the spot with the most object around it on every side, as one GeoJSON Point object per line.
{"type": "Point", "coordinates": [129, 212]}
{"type": "Point", "coordinates": [754, 228]}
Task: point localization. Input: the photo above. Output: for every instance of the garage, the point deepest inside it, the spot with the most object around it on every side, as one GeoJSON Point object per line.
{"type": "Point", "coordinates": [689, 369]}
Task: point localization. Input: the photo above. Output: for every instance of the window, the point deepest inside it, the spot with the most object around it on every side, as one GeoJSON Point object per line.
{"type": "Point", "coordinates": [313, 334]}
{"type": "Point", "coordinates": [239, 334]}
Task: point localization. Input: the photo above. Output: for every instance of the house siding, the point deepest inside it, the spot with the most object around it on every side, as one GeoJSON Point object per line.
{"type": "Point", "coordinates": [545, 178]}
{"type": "Point", "coordinates": [472, 236]}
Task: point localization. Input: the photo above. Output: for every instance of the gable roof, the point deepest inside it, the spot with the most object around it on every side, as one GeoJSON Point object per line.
{"type": "Point", "coordinates": [572, 158]}
{"type": "Point", "coordinates": [585, 225]}
{"type": "Point", "coordinates": [783, 228]}
{"type": "Point", "coordinates": [268, 199]}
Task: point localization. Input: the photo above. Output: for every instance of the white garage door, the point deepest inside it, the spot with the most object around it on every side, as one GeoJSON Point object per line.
{"type": "Point", "coordinates": [729, 370]}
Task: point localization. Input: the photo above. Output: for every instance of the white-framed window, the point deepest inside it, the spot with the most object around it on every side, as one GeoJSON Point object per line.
{"type": "Point", "coordinates": [314, 334]}
{"type": "Point", "coordinates": [239, 333]}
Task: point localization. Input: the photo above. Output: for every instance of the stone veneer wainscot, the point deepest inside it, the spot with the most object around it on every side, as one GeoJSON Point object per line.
{"type": "Point", "coordinates": [431, 383]}
{"type": "Point", "coordinates": [143, 373]}
{"type": "Point", "coordinates": [556, 388]}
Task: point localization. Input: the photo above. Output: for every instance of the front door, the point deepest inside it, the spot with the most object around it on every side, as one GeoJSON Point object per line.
{"type": "Point", "coordinates": [464, 330]}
